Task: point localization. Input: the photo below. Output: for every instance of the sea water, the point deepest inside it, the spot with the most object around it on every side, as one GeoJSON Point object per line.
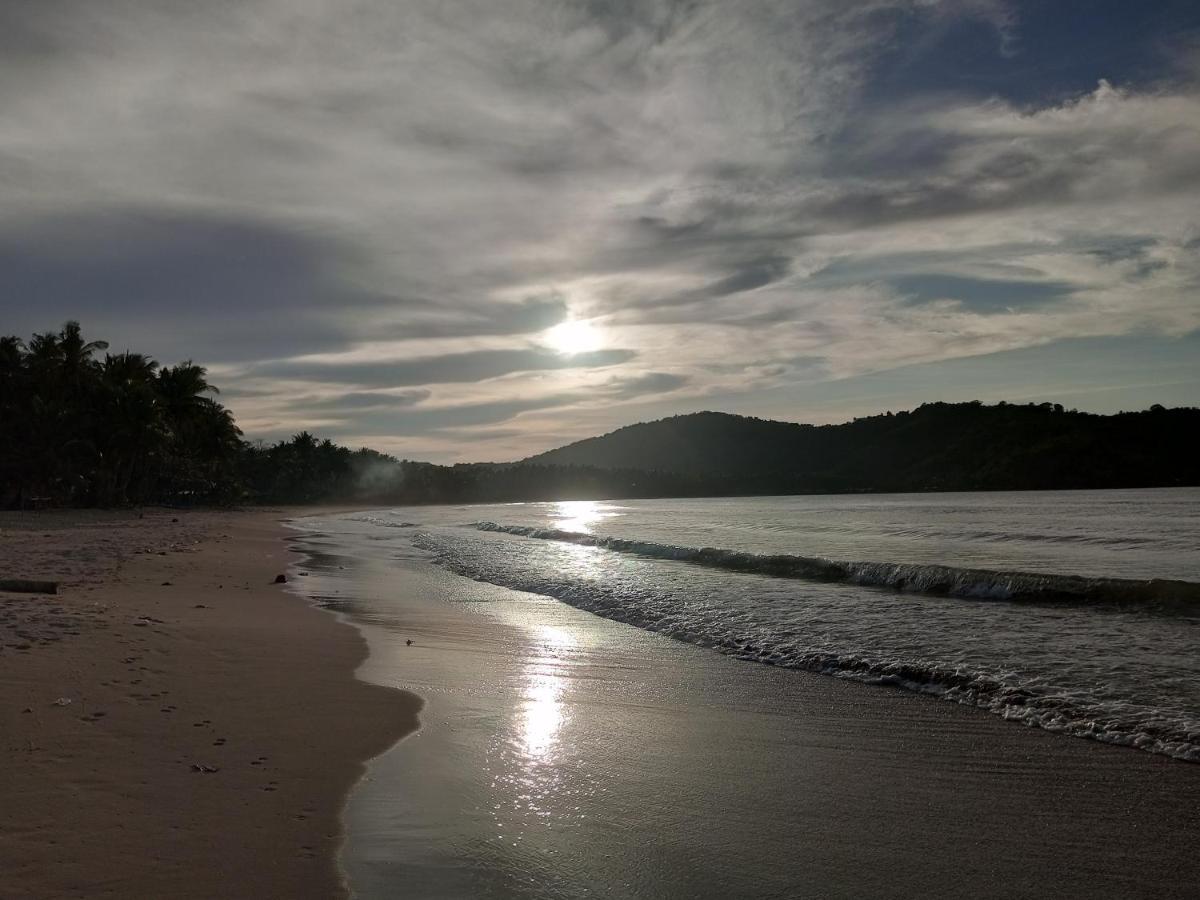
{"type": "Point", "coordinates": [1077, 612]}
{"type": "Point", "coordinates": [629, 698]}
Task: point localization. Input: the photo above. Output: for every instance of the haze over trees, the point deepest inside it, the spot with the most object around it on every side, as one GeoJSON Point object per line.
{"type": "Point", "coordinates": [81, 428]}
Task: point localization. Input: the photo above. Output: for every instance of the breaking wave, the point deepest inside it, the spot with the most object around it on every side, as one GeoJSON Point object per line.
{"type": "Point", "coordinates": [948, 581]}
{"type": "Point", "coordinates": [1049, 704]}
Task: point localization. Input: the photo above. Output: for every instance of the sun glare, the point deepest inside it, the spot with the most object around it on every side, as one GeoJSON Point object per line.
{"type": "Point", "coordinates": [573, 336]}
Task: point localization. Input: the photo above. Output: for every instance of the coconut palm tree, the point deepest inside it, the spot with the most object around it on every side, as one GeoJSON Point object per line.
{"type": "Point", "coordinates": [133, 433]}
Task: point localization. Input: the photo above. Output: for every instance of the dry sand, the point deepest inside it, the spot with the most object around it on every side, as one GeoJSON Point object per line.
{"type": "Point", "coordinates": [171, 723]}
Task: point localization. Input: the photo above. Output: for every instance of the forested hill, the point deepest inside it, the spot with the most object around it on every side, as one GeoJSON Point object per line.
{"type": "Point", "coordinates": [938, 446]}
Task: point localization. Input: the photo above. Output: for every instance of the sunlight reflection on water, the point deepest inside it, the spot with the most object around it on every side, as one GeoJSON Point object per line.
{"type": "Point", "coordinates": [581, 515]}
{"type": "Point", "coordinates": [543, 711]}
{"type": "Point", "coordinates": [538, 776]}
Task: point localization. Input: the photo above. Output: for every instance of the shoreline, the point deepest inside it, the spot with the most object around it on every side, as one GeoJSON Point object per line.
{"type": "Point", "coordinates": [173, 723]}
{"type": "Point", "coordinates": [726, 777]}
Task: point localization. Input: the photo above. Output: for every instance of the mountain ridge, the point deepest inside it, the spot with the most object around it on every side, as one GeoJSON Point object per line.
{"type": "Point", "coordinates": [937, 446]}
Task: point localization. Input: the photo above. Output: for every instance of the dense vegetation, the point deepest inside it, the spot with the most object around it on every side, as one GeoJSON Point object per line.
{"type": "Point", "coordinates": [936, 447]}
{"type": "Point", "coordinates": [77, 429]}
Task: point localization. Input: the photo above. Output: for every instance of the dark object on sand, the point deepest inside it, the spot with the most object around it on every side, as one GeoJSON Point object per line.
{"type": "Point", "coordinates": [23, 586]}
{"type": "Point", "coordinates": [196, 767]}
{"type": "Point", "coordinates": [280, 579]}
{"type": "Point", "coordinates": [408, 643]}
{"type": "Point", "coordinates": [166, 584]}
{"type": "Point", "coordinates": [305, 574]}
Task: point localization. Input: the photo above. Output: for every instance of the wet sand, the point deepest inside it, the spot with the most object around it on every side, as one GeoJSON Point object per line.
{"type": "Point", "coordinates": [172, 724]}
{"type": "Point", "coordinates": [564, 755]}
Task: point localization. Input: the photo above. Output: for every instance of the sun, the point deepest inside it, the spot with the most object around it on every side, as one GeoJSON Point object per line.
{"type": "Point", "coordinates": [573, 336]}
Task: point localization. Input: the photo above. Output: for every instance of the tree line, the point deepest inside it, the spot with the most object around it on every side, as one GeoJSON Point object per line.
{"type": "Point", "coordinates": [77, 429]}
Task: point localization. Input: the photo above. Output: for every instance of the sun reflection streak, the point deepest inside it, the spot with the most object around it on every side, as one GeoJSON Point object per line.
{"type": "Point", "coordinates": [580, 515]}
{"type": "Point", "coordinates": [543, 712]}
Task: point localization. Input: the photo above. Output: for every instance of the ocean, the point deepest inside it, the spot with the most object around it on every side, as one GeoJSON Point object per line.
{"type": "Point", "coordinates": [557, 642]}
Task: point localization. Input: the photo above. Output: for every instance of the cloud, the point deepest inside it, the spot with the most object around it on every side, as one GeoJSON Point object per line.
{"type": "Point", "coordinates": [479, 365]}
{"type": "Point", "coordinates": [649, 383]}
{"type": "Point", "coordinates": [332, 201]}
{"type": "Point", "coordinates": [396, 416]}
{"type": "Point", "coordinates": [359, 401]}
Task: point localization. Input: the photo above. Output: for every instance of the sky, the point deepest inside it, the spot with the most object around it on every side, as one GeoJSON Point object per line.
{"type": "Point", "coordinates": [479, 229]}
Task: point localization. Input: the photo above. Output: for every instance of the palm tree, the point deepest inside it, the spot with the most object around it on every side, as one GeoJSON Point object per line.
{"type": "Point", "coordinates": [75, 354]}
{"type": "Point", "coordinates": [133, 432]}
{"type": "Point", "coordinates": [182, 389]}
{"type": "Point", "coordinates": [14, 402]}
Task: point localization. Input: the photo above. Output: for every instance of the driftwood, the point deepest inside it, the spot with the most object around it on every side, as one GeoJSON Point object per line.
{"type": "Point", "coordinates": [23, 586]}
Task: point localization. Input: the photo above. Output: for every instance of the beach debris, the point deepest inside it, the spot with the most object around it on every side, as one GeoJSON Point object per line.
{"type": "Point", "coordinates": [27, 709]}
{"type": "Point", "coordinates": [408, 643]}
{"type": "Point", "coordinates": [63, 701]}
{"type": "Point", "coordinates": [207, 770]}
{"type": "Point", "coordinates": [25, 586]}
{"type": "Point", "coordinates": [199, 606]}
{"type": "Point", "coordinates": [303, 574]}
{"type": "Point", "coordinates": [166, 584]}
{"type": "Point", "coordinates": [280, 579]}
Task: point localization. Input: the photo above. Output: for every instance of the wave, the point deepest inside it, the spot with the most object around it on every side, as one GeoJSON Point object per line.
{"type": "Point", "coordinates": [1028, 700]}
{"type": "Point", "coordinates": [385, 523]}
{"type": "Point", "coordinates": [938, 580]}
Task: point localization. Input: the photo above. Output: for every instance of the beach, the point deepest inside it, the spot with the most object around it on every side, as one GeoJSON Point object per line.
{"type": "Point", "coordinates": [172, 723]}
{"type": "Point", "coordinates": [176, 724]}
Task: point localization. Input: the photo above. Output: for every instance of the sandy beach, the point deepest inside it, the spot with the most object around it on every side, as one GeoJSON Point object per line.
{"type": "Point", "coordinates": [172, 723]}
{"type": "Point", "coordinates": [176, 725]}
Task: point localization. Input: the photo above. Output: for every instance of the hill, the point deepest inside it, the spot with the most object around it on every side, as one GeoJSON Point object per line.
{"type": "Point", "coordinates": [938, 446]}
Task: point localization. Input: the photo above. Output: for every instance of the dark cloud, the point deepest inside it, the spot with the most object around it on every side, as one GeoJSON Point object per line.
{"type": "Point", "coordinates": [650, 383]}
{"type": "Point", "coordinates": [452, 368]}
{"type": "Point", "coordinates": [204, 287]}
{"type": "Point", "coordinates": [221, 289]}
{"type": "Point", "coordinates": [746, 276]}
{"type": "Point", "coordinates": [983, 294]}
{"type": "Point", "coordinates": [360, 400]}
